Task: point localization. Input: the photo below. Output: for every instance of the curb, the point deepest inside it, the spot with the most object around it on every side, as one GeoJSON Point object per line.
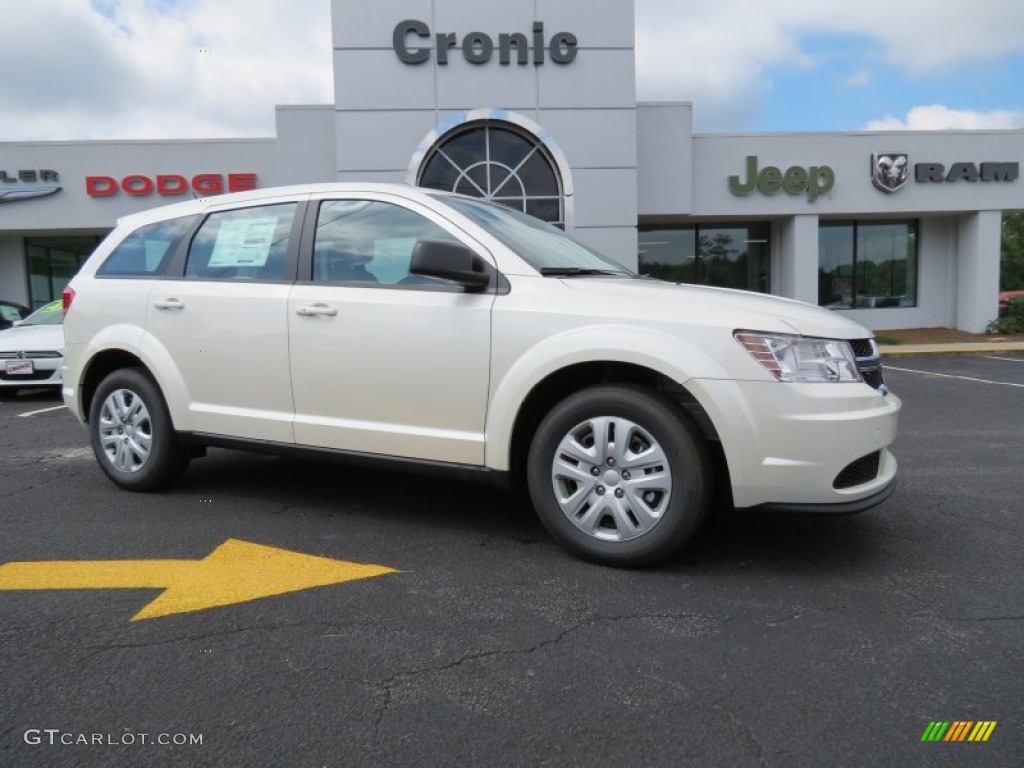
{"type": "Point", "coordinates": [950, 349]}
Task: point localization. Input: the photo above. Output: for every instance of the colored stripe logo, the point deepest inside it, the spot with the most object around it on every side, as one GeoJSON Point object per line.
{"type": "Point", "coordinates": [959, 730]}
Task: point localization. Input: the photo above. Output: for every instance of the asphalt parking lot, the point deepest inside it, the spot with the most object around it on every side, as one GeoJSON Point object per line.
{"type": "Point", "coordinates": [772, 641]}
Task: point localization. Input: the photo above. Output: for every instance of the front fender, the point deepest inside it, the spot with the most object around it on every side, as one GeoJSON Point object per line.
{"type": "Point", "coordinates": [669, 355]}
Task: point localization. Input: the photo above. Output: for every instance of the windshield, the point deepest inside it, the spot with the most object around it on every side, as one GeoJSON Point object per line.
{"type": "Point", "coordinates": [9, 313]}
{"type": "Point", "coordinates": [49, 314]}
{"type": "Point", "coordinates": [541, 245]}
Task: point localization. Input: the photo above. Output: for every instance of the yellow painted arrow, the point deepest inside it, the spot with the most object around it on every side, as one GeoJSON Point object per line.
{"type": "Point", "coordinates": [235, 572]}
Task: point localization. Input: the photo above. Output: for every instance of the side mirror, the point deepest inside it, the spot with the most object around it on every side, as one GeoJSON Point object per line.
{"type": "Point", "coordinates": [448, 261]}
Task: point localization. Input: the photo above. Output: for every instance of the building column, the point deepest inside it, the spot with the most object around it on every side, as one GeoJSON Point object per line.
{"type": "Point", "coordinates": [795, 259]}
{"type": "Point", "coordinates": [977, 266]}
{"type": "Point", "coordinates": [12, 270]}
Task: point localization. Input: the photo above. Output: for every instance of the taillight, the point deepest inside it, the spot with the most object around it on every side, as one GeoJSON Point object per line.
{"type": "Point", "coordinates": [68, 296]}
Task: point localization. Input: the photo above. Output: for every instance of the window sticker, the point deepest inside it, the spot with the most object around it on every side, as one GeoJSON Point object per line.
{"type": "Point", "coordinates": [244, 242]}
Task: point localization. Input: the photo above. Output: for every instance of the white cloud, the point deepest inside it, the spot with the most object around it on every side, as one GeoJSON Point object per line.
{"type": "Point", "coordinates": [716, 53]}
{"type": "Point", "coordinates": [134, 69]}
{"type": "Point", "coordinates": [75, 69]}
{"type": "Point", "coordinates": [700, 52]}
{"type": "Point", "coordinates": [937, 117]}
{"type": "Point", "coordinates": [918, 36]}
{"type": "Point", "coordinates": [860, 79]}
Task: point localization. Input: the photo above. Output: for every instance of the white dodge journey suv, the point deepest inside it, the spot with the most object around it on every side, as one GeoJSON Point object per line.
{"type": "Point", "coordinates": [402, 326]}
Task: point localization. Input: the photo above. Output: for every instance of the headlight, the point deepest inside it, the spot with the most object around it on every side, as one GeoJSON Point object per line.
{"type": "Point", "coordinates": [799, 358]}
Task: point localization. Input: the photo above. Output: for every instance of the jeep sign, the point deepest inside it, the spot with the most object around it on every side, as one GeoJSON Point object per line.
{"type": "Point", "coordinates": [814, 181]}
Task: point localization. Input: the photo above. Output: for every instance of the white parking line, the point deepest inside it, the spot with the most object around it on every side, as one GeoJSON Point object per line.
{"type": "Point", "coordinates": [41, 410]}
{"type": "Point", "coordinates": [951, 376]}
{"type": "Point", "coordinates": [1007, 359]}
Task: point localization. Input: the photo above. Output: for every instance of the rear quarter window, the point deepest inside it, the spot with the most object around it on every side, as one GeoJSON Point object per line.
{"type": "Point", "coordinates": [242, 244]}
{"type": "Point", "coordinates": [148, 250]}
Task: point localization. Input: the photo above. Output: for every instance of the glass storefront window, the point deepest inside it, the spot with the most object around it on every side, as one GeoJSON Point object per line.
{"type": "Point", "coordinates": [52, 262]}
{"type": "Point", "coordinates": [867, 265]}
{"type": "Point", "coordinates": [727, 256]}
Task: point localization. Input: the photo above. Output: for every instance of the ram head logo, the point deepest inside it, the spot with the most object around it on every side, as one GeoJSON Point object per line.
{"type": "Point", "coordinates": [889, 171]}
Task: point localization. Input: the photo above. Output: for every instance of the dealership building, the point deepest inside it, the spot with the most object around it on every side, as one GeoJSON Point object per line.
{"type": "Point", "coordinates": [532, 103]}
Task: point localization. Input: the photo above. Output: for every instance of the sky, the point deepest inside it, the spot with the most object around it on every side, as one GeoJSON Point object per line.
{"type": "Point", "coordinates": [106, 69]}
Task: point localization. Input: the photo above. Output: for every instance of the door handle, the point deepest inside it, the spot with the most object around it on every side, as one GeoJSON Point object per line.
{"type": "Point", "coordinates": [169, 304]}
{"type": "Point", "coordinates": [313, 310]}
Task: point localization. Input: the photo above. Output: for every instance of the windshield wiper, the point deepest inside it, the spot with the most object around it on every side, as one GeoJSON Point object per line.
{"type": "Point", "coordinates": [573, 271]}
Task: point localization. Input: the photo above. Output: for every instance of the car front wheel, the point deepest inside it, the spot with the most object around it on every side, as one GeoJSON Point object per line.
{"type": "Point", "coordinates": [619, 475]}
{"type": "Point", "coordinates": [132, 434]}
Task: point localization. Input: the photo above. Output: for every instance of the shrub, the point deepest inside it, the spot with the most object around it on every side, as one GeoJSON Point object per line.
{"type": "Point", "coordinates": [1012, 320]}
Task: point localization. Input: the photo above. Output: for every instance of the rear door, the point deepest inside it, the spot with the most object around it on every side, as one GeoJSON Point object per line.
{"type": "Point", "coordinates": [221, 324]}
{"type": "Point", "coordinates": [384, 362]}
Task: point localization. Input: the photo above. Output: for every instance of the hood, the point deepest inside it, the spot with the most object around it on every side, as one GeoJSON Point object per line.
{"type": "Point", "coordinates": [32, 337]}
{"type": "Point", "coordinates": [661, 300]}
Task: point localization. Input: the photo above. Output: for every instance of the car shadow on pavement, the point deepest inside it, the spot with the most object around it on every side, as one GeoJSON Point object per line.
{"type": "Point", "coordinates": [46, 395]}
{"type": "Point", "coordinates": [729, 540]}
{"type": "Point", "coordinates": [772, 542]}
{"type": "Point", "coordinates": [331, 489]}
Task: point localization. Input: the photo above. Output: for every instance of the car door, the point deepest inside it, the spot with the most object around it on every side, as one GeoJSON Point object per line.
{"type": "Point", "coordinates": [384, 362]}
{"type": "Point", "coordinates": [221, 324]}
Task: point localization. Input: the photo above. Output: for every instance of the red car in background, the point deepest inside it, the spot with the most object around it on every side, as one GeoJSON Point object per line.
{"type": "Point", "coordinates": [1004, 299]}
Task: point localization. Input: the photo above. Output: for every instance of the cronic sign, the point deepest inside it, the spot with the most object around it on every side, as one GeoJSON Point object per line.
{"type": "Point", "coordinates": [412, 40]}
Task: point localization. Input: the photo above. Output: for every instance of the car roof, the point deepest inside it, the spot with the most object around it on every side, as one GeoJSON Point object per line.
{"type": "Point", "coordinates": [192, 207]}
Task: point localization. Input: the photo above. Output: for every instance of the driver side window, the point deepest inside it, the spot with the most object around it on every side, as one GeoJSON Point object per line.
{"type": "Point", "coordinates": [369, 242]}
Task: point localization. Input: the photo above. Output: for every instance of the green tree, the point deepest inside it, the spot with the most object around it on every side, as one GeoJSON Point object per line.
{"type": "Point", "coordinates": [1011, 275]}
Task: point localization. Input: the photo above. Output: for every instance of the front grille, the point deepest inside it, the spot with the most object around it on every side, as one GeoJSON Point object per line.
{"type": "Point", "coordinates": [29, 353]}
{"type": "Point", "coordinates": [863, 470]}
{"type": "Point", "coordinates": [862, 348]}
{"type": "Point", "coordinates": [869, 362]}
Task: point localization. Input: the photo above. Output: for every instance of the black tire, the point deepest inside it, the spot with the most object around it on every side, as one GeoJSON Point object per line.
{"type": "Point", "coordinates": [625, 518]}
{"type": "Point", "coordinates": [165, 460]}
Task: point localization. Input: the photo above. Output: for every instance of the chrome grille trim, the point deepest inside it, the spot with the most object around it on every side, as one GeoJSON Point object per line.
{"type": "Point", "coordinates": [38, 354]}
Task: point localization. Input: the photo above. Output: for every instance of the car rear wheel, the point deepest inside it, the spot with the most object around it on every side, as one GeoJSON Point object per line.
{"type": "Point", "coordinates": [619, 475]}
{"type": "Point", "coordinates": [132, 434]}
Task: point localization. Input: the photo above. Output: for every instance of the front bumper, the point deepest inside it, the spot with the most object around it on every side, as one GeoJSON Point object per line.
{"type": "Point", "coordinates": [837, 508]}
{"type": "Point", "coordinates": [45, 373]}
{"type": "Point", "coordinates": [790, 446]}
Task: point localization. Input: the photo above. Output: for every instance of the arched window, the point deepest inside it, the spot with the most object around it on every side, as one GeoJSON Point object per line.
{"type": "Point", "coordinates": [497, 162]}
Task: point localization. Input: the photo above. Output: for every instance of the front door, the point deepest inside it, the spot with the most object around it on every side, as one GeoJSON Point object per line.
{"type": "Point", "coordinates": [384, 362]}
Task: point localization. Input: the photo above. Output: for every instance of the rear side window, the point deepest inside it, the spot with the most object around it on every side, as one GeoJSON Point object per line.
{"type": "Point", "coordinates": [147, 251]}
{"type": "Point", "coordinates": [244, 244]}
